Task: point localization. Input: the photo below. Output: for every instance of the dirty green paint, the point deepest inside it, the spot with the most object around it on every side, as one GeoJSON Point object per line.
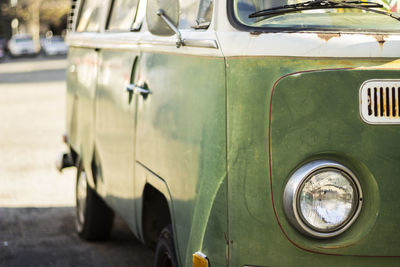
{"type": "Point", "coordinates": [314, 115]}
{"type": "Point", "coordinates": [81, 87]}
{"type": "Point", "coordinates": [203, 133]}
{"type": "Point", "coordinates": [181, 137]}
{"type": "Point", "coordinates": [115, 132]}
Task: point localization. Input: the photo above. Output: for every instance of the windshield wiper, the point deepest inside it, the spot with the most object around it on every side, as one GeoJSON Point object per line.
{"type": "Point", "coordinates": [318, 4]}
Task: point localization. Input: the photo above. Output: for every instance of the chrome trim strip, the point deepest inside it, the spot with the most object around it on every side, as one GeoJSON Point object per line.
{"type": "Point", "coordinates": [101, 41]}
{"type": "Point", "coordinates": [129, 40]}
{"type": "Point", "coordinates": [111, 46]}
{"type": "Point", "coordinates": [158, 42]}
{"type": "Point", "coordinates": [293, 186]}
{"type": "Point", "coordinates": [197, 43]}
{"type": "Point", "coordinates": [120, 44]}
{"type": "Point", "coordinates": [205, 43]}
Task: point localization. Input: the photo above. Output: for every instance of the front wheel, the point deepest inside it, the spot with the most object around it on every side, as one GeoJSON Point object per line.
{"type": "Point", "coordinates": [165, 255]}
{"type": "Point", "coordinates": [94, 219]}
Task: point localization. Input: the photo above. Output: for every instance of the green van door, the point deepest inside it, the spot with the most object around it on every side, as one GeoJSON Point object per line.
{"type": "Point", "coordinates": [114, 155]}
{"type": "Point", "coordinates": [181, 137]}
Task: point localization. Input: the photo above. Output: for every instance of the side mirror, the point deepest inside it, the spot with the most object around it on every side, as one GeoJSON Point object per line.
{"type": "Point", "coordinates": [156, 23]}
{"type": "Point", "coordinates": [179, 40]}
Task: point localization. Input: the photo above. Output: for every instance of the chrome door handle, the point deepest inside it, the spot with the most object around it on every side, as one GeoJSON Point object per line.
{"type": "Point", "coordinates": [137, 90]}
{"type": "Point", "coordinates": [72, 69]}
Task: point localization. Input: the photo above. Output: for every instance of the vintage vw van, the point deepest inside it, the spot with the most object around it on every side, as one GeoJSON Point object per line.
{"type": "Point", "coordinates": [238, 132]}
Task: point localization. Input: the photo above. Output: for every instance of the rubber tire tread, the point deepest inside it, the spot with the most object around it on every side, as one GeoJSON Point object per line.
{"type": "Point", "coordinates": [98, 218]}
{"type": "Point", "coordinates": [165, 245]}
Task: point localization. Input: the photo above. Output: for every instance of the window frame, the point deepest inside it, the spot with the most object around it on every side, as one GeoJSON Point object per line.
{"type": "Point", "coordinates": [100, 22]}
{"type": "Point", "coordinates": [242, 27]}
{"type": "Point", "coordinates": [135, 25]}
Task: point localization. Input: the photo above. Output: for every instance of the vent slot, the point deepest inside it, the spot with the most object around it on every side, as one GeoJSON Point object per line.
{"type": "Point", "coordinates": [72, 15]}
{"type": "Point", "coordinates": [384, 101]}
{"type": "Point", "coordinates": [379, 101]}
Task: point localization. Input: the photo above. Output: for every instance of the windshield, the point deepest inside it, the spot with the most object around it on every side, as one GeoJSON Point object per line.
{"type": "Point", "coordinates": [280, 15]}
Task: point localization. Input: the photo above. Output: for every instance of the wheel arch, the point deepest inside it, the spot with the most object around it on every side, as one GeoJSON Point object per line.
{"type": "Point", "coordinates": [157, 210]}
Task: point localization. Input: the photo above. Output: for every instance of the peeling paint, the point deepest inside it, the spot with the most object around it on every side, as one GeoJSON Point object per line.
{"type": "Point", "coordinates": [327, 36]}
{"type": "Point", "coordinates": [255, 33]}
{"type": "Point", "coordinates": [392, 65]}
{"type": "Point", "coordinates": [380, 38]}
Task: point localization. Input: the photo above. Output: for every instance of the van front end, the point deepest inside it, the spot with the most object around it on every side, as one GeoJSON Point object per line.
{"type": "Point", "coordinates": [313, 116]}
{"type": "Point", "coordinates": [313, 159]}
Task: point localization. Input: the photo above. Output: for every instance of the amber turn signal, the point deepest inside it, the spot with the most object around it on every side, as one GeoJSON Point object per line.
{"type": "Point", "coordinates": [200, 260]}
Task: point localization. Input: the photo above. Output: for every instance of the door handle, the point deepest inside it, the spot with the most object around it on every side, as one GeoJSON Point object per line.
{"type": "Point", "coordinates": [137, 90]}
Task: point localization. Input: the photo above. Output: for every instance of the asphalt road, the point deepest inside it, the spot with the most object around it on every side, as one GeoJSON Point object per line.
{"type": "Point", "coordinates": [36, 202]}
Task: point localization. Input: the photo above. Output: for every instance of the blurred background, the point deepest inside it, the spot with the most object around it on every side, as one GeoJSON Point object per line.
{"type": "Point", "coordinates": [33, 16]}
{"type": "Point", "coordinates": [30, 27]}
{"type": "Point", "coordinates": [37, 214]}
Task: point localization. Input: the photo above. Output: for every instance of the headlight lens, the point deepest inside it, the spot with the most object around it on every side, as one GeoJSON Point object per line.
{"type": "Point", "coordinates": [327, 200]}
{"type": "Point", "coordinates": [322, 198]}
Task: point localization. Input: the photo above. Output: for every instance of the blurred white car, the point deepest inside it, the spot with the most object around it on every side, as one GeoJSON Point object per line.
{"type": "Point", "coordinates": [21, 45]}
{"type": "Point", "coordinates": [2, 48]}
{"type": "Point", "coordinates": [54, 46]}
{"type": "Point", "coordinates": [2, 54]}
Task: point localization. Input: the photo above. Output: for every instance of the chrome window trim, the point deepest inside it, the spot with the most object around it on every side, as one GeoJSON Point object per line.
{"type": "Point", "coordinates": [127, 40]}
{"type": "Point", "coordinates": [295, 183]}
{"type": "Point", "coordinates": [75, 13]}
{"type": "Point", "coordinates": [140, 15]}
{"type": "Point", "coordinates": [234, 21]}
{"type": "Point", "coordinates": [199, 43]}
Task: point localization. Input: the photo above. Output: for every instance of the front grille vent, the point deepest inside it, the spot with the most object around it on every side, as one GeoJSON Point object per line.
{"type": "Point", "coordinates": [379, 101]}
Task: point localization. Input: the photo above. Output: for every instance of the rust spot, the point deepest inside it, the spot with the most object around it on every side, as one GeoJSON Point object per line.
{"type": "Point", "coordinates": [380, 38]}
{"type": "Point", "coordinates": [127, 77]}
{"type": "Point", "coordinates": [384, 107]}
{"type": "Point", "coordinates": [255, 33]}
{"type": "Point", "coordinates": [327, 36]}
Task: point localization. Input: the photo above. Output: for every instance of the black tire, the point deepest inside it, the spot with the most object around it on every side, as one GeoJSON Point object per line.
{"type": "Point", "coordinates": [165, 255]}
{"type": "Point", "coordinates": [94, 219]}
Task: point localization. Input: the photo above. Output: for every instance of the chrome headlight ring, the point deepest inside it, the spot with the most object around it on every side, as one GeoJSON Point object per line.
{"type": "Point", "coordinates": [322, 199]}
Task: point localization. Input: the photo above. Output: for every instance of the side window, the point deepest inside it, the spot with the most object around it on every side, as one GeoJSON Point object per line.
{"type": "Point", "coordinates": [90, 16]}
{"type": "Point", "coordinates": [204, 14]}
{"type": "Point", "coordinates": [122, 15]}
{"type": "Point", "coordinates": [195, 14]}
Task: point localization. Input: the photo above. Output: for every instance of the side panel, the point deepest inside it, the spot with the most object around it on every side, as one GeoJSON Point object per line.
{"type": "Point", "coordinates": [181, 138]}
{"type": "Point", "coordinates": [115, 131]}
{"type": "Point", "coordinates": [329, 127]}
{"type": "Point", "coordinates": [81, 87]}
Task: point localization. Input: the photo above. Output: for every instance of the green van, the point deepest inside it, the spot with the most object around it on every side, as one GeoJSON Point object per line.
{"type": "Point", "coordinates": [238, 132]}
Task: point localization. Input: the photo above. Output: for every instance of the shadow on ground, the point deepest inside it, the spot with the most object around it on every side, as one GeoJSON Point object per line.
{"type": "Point", "coordinates": [46, 237]}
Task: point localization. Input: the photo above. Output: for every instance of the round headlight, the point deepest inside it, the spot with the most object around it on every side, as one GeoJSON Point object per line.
{"type": "Point", "coordinates": [322, 198]}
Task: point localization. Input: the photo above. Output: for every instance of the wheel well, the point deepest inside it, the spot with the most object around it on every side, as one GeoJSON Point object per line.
{"type": "Point", "coordinates": [156, 215]}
